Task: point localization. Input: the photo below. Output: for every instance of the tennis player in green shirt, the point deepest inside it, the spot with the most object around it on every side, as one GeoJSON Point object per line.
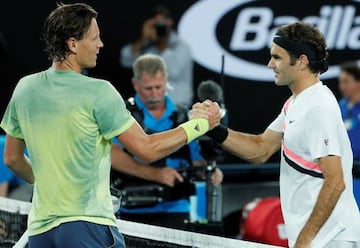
{"type": "Point", "coordinates": [66, 120]}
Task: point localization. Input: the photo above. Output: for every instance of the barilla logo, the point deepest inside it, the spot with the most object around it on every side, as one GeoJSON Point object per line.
{"type": "Point", "coordinates": [242, 31]}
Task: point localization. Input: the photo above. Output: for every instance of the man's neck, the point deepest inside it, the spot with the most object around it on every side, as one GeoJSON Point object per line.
{"type": "Point", "coordinates": [162, 43]}
{"type": "Point", "coordinates": [303, 83]}
{"type": "Point", "coordinates": [65, 65]}
{"type": "Point", "coordinates": [159, 111]}
{"type": "Point", "coordinates": [354, 99]}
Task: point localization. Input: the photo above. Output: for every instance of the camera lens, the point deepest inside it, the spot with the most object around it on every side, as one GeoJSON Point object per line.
{"type": "Point", "coordinates": [161, 29]}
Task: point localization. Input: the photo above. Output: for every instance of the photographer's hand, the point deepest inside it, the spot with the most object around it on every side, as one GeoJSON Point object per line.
{"type": "Point", "coordinates": [217, 177]}
{"type": "Point", "coordinates": [148, 31]}
{"type": "Point", "coordinates": [166, 175]}
{"type": "Point", "coordinates": [148, 34]}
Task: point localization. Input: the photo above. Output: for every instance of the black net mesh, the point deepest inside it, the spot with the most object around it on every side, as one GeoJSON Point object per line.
{"type": "Point", "coordinates": [13, 221]}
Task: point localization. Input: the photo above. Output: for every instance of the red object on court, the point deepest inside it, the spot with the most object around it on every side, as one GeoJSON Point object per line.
{"type": "Point", "coordinates": [262, 221]}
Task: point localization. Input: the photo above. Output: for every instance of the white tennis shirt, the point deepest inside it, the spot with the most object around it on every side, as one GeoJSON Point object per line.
{"type": "Point", "coordinates": [312, 128]}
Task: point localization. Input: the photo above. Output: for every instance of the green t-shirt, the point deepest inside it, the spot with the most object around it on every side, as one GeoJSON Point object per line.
{"type": "Point", "coordinates": [67, 121]}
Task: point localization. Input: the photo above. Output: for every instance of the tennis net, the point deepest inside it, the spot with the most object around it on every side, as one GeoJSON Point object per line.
{"type": "Point", "coordinates": [13, 217]}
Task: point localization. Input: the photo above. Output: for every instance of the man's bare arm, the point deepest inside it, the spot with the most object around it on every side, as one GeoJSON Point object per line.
{"type": "Point", "coordinates": [124, 162]}
{"type": "Point", "coordinates": [149, 148]}
{"type": "Point", "coordinates": [253, 148]}
{"type": "Point", "coordinates": [16, 160]}
{"type": "Point", "coordinates": [329, 195]}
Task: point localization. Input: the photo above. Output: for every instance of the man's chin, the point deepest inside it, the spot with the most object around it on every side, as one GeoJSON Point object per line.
{"type": "Point", "coordinates": [90, 66]}
{"type": "Point", "coordinates": [153, 105]}
{"type": "Point", "coordinates": [280, 83]}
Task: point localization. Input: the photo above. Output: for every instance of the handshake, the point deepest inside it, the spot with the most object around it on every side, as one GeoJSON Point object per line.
{"type": "Point", "coordinates": [205, 118]}
{"type": "Point", "coordinates": [207, 110]}
{"type": "Point", "coordinates": [210, 111]}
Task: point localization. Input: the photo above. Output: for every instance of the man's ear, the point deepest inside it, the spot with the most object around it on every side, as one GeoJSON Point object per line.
{"type": "Point", "coordinates": [135, 85]}
{"type": "Point", "coordinates": [303, 61]}
{"type": "Point", "coordinates": [170, 22]}
{"type": "Point", "coordinates": [71, 43]}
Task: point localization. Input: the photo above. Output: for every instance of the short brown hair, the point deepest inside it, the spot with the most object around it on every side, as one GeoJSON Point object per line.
{"type": "Point", "coordinates": [64, 22]}
{"type": "Point", "coordinates": [310, 35]}
{"type": "Point", "coordinates": [352, 68]}
{"type": "Point", "coordinates": [149, 64]}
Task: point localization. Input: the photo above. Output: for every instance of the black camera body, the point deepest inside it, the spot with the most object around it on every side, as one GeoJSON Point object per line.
{"type": "Point", "coordinates": [161, 29]}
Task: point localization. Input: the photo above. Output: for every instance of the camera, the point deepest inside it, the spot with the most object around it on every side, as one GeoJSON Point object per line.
{"type": "Point", "coordinates": [161, 28]}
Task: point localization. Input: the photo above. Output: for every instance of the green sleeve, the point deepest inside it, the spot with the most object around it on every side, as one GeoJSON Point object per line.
{"type": "Point", "coordinates": [111, 113]}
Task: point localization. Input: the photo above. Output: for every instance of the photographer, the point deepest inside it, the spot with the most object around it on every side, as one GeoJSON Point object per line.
{"type": "Point", "coordinates": [156, 112]}
{"type": "Point", "coordinates": [158, 37]}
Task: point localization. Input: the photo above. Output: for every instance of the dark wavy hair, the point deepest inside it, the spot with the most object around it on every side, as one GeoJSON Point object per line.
{"type": "Point", "coordinates": [66, 21]}
{"type": "Point", "coordinates": [352, 68]}
{"type": "Point", "coordinates": [308, 34]}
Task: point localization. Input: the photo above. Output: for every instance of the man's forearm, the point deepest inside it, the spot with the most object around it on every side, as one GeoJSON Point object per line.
{"type": "Point", "coordinates": [149, 148]}
{"type": "Point", "coordinates": [253, 148]}
{"type": "Point", "coordinates": [326, 202]}
{"type": "Point", "coordinates": [22, 168]}
{"type": "Point", "coordinates": [123, 162]}
{"type": "Point", "coordinates": [16, 160]}
{"type": "Point", "coordinates": [162, 144]}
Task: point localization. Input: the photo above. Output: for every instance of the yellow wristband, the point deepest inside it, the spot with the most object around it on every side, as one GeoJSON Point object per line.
{"type": "Point", "coordinates": [195, 128]}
